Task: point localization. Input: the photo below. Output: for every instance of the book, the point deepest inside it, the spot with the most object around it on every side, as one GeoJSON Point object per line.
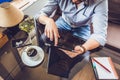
{"type": "Point", "coordinates": [59, 63]}
{"type": "Point", "coordinates": [104, 68]}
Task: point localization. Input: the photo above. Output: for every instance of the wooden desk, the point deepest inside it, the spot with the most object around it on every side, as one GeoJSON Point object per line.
{"type": "Point", "coordinates": [85, 74]}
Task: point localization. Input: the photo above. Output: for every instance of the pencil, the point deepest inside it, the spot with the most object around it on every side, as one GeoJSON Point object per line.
{"type": "Point", "coordinates": [102, 65]}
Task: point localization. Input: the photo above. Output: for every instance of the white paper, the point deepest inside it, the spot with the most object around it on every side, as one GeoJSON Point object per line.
{"type": "Point", "coordinates": [102, 73]}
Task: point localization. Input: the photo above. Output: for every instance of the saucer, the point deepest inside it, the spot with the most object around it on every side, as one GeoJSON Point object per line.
{"type": "Point", "coordinates": [27, 61]}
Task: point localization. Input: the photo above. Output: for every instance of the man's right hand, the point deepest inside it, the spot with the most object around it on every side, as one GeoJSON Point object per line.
{"type": "Point", "coordinates": [51, 30]}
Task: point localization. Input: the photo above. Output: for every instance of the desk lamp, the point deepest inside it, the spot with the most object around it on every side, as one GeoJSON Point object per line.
{"type": "Point", "coordinates": [10, 15]}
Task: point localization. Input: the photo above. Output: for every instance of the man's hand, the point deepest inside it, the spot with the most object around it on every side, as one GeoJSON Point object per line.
{"type": "Point", "coordinates": [77, 51]}
{"type": "Point", "coordinates": [51, 30]}
{"type": "Point", "coordinates": [70, 53]}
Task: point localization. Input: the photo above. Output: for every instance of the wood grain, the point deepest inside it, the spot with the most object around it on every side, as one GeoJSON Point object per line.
{"type": "Point", "coordinates": [85, 74]}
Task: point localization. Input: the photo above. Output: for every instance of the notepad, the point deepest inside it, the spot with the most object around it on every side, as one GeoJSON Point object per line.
{"type": "Point", "coordinates": [100, 72]}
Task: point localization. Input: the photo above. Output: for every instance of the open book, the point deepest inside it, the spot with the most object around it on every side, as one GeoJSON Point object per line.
{"type": "Point", "coordinates": [104, 68]}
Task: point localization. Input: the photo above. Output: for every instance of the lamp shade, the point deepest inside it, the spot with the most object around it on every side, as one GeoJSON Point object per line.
{"type": "Point", "coordinates": [10, 15]}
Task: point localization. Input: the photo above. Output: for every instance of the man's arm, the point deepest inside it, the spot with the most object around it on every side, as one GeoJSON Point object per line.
{"type": "Point", "coordinates": [51, 30]}
{"type": "Point", "coordinates": [100, 22]}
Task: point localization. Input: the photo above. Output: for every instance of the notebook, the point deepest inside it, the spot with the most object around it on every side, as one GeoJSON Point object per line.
{"type": "Point", "coordinates": [59, 63]}
{"type": "Point", "coordinates": [104, 68]}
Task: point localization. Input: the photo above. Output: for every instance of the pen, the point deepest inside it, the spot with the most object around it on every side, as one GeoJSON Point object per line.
{"type": "Point", "coordinates": [102, 65]}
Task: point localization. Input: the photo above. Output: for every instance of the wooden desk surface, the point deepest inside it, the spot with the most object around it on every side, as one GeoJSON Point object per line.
{"type": "Point", "coordinates": [85, 74]}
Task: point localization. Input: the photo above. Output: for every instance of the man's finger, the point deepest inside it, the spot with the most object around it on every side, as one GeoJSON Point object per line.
{"type": "Point", "coordinates": [51, 35]}
{"type": "Point", "coordinates": [55, 39]}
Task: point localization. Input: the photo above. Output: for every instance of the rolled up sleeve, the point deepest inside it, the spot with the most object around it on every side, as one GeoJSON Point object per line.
{"type": "Point", "coordinates": [100, 22]}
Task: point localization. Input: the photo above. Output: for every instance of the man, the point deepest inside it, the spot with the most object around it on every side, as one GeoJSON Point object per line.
{"type": "Point", "coordinates": [77, 17]}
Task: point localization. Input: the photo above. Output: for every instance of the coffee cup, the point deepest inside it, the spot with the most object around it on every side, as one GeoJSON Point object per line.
{"type": "Point", "coordinates": [33, 54]}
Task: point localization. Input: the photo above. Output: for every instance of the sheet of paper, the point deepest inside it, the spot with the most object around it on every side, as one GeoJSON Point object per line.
{"type": "Point", "coordinates": [102, 73]}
